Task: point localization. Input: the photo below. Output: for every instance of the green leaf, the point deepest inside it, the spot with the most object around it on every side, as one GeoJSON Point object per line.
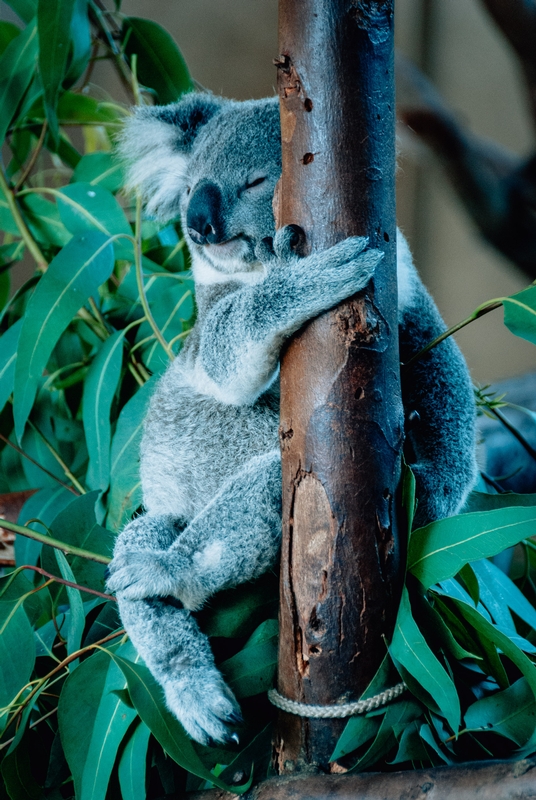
{"type": "Point", "coordinates": [448, 641]}
{"type": "Point", "coordinates": [80, 35]}
{"type": "Point", "coordinates": [93, 722]}
{"type": "Point", "coordinates": [8, 31]}
{"type": "Point", "coordinates": [236, 612]}
{"type": "Point", "coordinates": [520, 314]}
{"type": "Point", "coordinates": [411, 746]}
{"type": "Point", "coordinates": [77, 617]}
{"type": "Point", "coordinates": [44, 505]}
{"type": "Point", "coordinates": [510, 713]}
{"type": "Point", "coordinates": [132, 764]}
{"type": "Point", "coordinates": [500, 640]}
{"type": "Point", "coordinates": [18, 775]}
{"type": "Point", "coordinates": [76, 525]}
{"type": "Point", "coordinates": [72, 277]}
{"type": "Point", "coordinates": [88, 207]}
{"type": "Point", "coordinates": [252, 670]}
{"type": "Point", "coordinates": [81, 108]}
{"type": "Point", "coordinates": [471, 583]}
{"type": "Point", "coordinates": [481, 501]}
{"type": "Point", "coordinates": [17, 66]}
{"type": "Point", "coordinates": [396, 717]}
{"type": "Point", "coordinates": [44, 221]}
{"type": "Point", "coordinates": [160, 64]}
{"type": "Point", "coordinates": [99, 169]}
{"type": "Point", "coordinates": [147, 696]}
{"type": "Point", "coordinates": [26, 9]}
{"type": "Point", "coordinates": [125, 484]}
{"type": "Point", "coordinates": [490, 594]}
{"type": "Point", "coordinates": [8, 357]}
{"type": "Point", "coordinates": [17, 649]}
{"type": "Point", "coordinates": [409, 648]}
{"type": "Point", "coordinates": [506, 592]}
{"type": "Point", "coordinates": [442, 548]}
{"type": "Point", "coordinates": [54, 25]}
{"type": "Point", "coordinates": [99, 389]}
{"type": "Point", "coordinates": [360, 729]}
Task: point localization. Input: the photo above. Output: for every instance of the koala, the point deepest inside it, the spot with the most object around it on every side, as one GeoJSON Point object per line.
{"type": "Point", "coordinates": [210, 460]}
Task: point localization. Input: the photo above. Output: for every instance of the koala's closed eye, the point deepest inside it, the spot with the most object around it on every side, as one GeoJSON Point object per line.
{"type": "Point", "coordinates": [255, 182]}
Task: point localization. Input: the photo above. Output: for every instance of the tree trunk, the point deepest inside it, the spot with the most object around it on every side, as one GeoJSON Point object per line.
{"type": "Point", "coordinates": [341, 413]}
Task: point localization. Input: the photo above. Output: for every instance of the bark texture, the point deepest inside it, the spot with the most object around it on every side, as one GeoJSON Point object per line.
{"type": "Point", "coordinates": [341, 413]}
{"type": "Point", "coordinates": [496, 780]}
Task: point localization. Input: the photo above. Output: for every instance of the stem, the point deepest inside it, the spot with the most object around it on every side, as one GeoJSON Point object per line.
{"type": "Point", "coordinates": [36, 464]}
{"type": "Point", "coordinates": [178, 247]}
{"type": "Point", "coordinates": [31, 163]}
{"type": "Point", "coordinates": [93, 324]}
{"type": "Point", "coordinates": [68, 549]}
{"type": "Point", "coordinates": [27, 237]}
{"type": "Point", "coordinates": [509, 427]}
{"type": "Point", "coordinates": [135, 374]}
{"type": "Point", "coordinates": [59, 459]}
{"type": "Point", "coordinates": [141, 289]}
{"type": "Point", "coordinates": [68, 583]}
{"type": "Point", "coordinates": [485, 308]}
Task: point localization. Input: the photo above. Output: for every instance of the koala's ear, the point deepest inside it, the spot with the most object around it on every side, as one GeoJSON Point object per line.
{"type": "Point", "coordinates": [155, 145]}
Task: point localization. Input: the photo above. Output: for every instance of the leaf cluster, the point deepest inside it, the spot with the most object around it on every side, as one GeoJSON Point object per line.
{"type": "Point", "coordinates": [82, 344]}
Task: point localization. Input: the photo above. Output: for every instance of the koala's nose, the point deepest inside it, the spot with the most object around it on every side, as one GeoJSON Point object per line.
{"type": "Point", "coordinates": [204, 218]}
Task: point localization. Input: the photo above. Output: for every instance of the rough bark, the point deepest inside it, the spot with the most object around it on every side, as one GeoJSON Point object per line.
{"type": "Point", "coordinates": [341, 414]}
{"type": "Point", "coordinates": [496, 780]}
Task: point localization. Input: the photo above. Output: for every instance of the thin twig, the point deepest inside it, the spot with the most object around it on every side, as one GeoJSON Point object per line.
{"type": "Point", "coordinates": [36, 464]}
{"type": "Point", "coordinates": [68, 549]}
{"type": "Point", "coordinates": [141, 289]}
{"type": "Point", "coordinates": [513, 430]}
{"type": "Point", "coordinates": [35, 155]}
{"type": "Point", "coordinates": [27, 237]}
{"type": "Point", "coordinates": [485, 308]}
{"type": "Point", "coordinates": [59, 459]}
{"type": "Point", "coordinates": [69, 583]}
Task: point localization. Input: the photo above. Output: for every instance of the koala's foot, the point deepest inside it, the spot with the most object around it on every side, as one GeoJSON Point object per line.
{"type": "Point", "coordinates": [144, 573]}
{"type": "Point", "coordinates": [204, 705]}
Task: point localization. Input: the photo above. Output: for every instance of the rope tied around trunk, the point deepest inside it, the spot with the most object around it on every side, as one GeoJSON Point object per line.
{"type": "Point", "coordinates": [336, 711]}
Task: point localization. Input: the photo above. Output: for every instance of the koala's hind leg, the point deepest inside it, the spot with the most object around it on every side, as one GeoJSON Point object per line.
{"type": "Point", "coordinates": [235, 538]}
{"type": "Point", "coordinates": [179, 656]}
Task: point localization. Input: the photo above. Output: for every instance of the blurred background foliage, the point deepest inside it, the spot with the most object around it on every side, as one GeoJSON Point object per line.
{"type": "Point", "coordinates": [95, 299]}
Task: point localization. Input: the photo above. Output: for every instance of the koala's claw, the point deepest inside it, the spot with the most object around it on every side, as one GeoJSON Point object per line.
{"type": "Point", "coordinates": [204, 706]}
{"type": "Point", "coordinates": [141, 574]}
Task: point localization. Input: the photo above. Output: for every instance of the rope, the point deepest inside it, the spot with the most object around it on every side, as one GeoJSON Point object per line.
{"type": "Point", "coordinates": [336, 711]}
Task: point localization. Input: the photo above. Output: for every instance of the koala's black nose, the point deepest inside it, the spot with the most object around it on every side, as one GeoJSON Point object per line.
{"type": "Point", "coordinates": [204, 217]}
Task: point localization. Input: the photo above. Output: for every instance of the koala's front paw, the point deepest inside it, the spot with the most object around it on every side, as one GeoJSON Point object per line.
{"type": "Point", "coordinates": [204, 705]}
{"type": "Point", "coordinates": [140, 574]}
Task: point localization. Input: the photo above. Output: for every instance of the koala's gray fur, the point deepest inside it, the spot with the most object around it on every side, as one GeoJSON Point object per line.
{"type": "Point", "coordinates": [210, 463]}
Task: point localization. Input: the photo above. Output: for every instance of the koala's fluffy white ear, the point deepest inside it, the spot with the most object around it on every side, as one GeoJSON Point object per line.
{"type": "Point", "coordinates": [154, 146]}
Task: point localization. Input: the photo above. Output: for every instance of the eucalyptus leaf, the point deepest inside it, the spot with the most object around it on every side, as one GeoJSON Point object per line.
{"type": "Point", "coordinates": [510, 713]}
{"type": "Point", "coordinates": [54, 27]}
{"type": "Point", "coordinates": [100, 387]}
{"type": "Point", "coordinates": [520, 314]}
{"type": "Point", "coordinates": [44, 221]}
{"type": "Point", "coordinates": [160, 64]}
{"type": "Point", "coordinates": [8, 356]}
{"type": "Point", "coordinates": [17, 65]}
{"type": "Point", "coordinates": [147, 697]}
{"type": "Point", "coordinates": [77, 616]}
{"type": "Point", "coordinates": [99, 169]}
{"type": "Point", "coordinates": [89, 207]}
{"type": "Point", "coordinates": [252, 670]}
{"type": "Point", "coordinates": [400, 714]}
{"type": "Point", "coordinates": [441, 549]}
{"type": "Point", "coordinates": [80, 35]}
{"type": "Point", "coordinates": [132, 764]}
{"type": "Point", "coordinates": [411, 746]}
{"type": "Point", "coordinates": [505, 592]}
{"type": "Point", "coordinates": [481, 501]}
{"type": "Point", "coordinates": [18, 775]}
{"type": "Point", "coordinates": [17, 649]}
{"type": "Point", "coordinates": [361, 728]}
{"type": "Point", "coordinates": [409, 648]}
{"type": "Point", "coordinates": [26, 9]}
{"type": "Point", "coordinates": [93, 722]}
{"type": "Point", "coordinates": [72, 277]}
{"type": "Point", "coordinates": [125, 485]}
{"type": "Point", "coordinates": [8, 31]}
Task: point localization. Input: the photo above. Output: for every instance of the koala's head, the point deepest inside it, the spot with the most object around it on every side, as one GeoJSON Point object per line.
{"type": "Point", "coordinates": [214, 162]}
